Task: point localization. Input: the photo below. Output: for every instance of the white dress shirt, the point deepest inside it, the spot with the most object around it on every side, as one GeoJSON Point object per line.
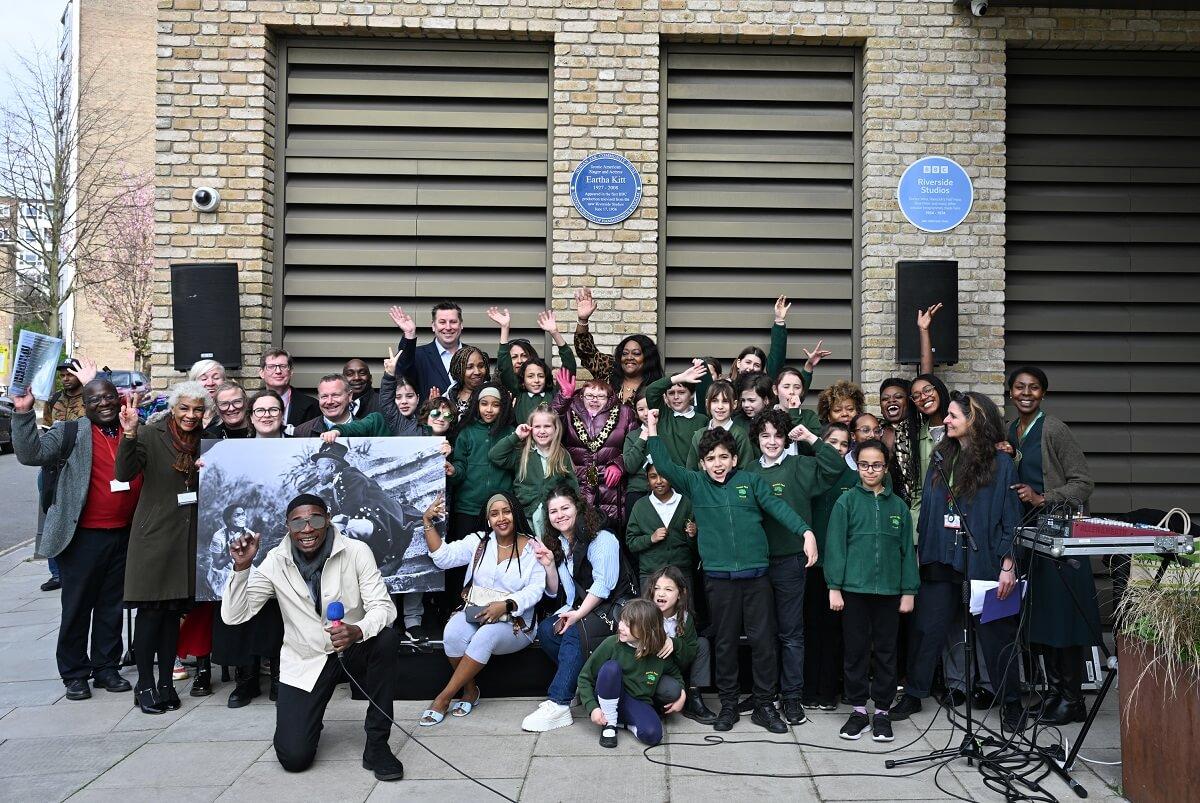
{"type": "Point", "coordinates": [666, 510]}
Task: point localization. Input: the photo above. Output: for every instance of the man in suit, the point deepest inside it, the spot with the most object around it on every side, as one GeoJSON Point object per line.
{"type": "Point", "coordinates": [429, 365]}
{"type": "Point", "coordinates": [87, 530]}
{"type": "Point", "coordinates": [333, 407]}
{"type": "Point", "coordinates": [276, 372]}
{"type": "Point", "coordinates": [364, 399]}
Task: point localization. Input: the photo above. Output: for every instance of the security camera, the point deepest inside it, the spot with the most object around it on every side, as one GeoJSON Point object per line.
{"type": "Point", "coordinates": [205, 199]}
{"type": "Point", "coordinates": [979, 7]}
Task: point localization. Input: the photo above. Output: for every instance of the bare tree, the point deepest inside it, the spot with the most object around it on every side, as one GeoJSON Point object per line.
{"type": "Point", "coordinates": [67, 157]}
{"type": "Point", "coordinates": [126, 267]}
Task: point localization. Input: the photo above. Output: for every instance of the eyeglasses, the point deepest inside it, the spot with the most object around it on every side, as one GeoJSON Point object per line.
{"type": "Point", "coordinates": [100, 398]}
{"type": "Point", "coordinates": [298, 524]}
{"type": "Point", "coordinates": [236, 404]}
{"type": "Point", "coordinates": [267, 412]}
{"type": "Point", "coordinates": [441, 414]}
{"type": "Point", "coordinates": [595, 397]}
{"type": "Point", "coordinates": [865, 430]}
{"type": "Point", "coordinates": [924, 393]}
{"type": "Point", "coordinates": [276, 369]}
{"type": "Point", "coordinates": [872, 467]}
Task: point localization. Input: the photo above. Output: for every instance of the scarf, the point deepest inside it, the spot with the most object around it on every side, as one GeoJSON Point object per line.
{"type": "Point", "coordinates": [310, 568]}
{"type": "Point", "coordinates": [186, 444]}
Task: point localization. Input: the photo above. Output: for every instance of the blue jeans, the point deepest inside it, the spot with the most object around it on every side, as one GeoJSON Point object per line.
{"type": "Point", "coordinates": [53, 564]}
{"type": "Point", "coordinates": [787, 582]}
{"type": "Point", "coordinates": [565, 651]}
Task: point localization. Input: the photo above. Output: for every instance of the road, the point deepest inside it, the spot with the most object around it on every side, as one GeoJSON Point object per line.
{"type": "Point", "coordinates": [18, 501]}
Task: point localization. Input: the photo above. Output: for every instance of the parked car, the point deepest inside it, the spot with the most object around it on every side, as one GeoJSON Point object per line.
{"type": "Point", "coordinates": [128, 382]}
{"type": "Point", "coordinates": [5, 426]}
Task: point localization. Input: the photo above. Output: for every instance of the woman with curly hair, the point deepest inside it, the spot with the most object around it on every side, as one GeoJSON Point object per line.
{"type": "Point", "coordinates": [468, 372]}
{"type": "Point", "coordinates": [840, 402]}
{"type": "Point", "coordinates": [981, 479]}
{"type": "Point", "coordinates": [586, 567]}
{"type": "Point", "coordinates": [634, 363]}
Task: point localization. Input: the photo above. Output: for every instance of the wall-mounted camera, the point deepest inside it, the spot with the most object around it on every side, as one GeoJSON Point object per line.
{"type": "Point", "coordinates": [205, 199]}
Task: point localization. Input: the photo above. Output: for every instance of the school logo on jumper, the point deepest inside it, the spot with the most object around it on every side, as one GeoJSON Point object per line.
{"type": "Point", "coordinates": [651, 678]}
{"type": "Point", "coordinates": [743, 491]}
{"type": "Point", "coordinates": [778, 488]}
{"type": "Point", "coordinates": [895, 521]}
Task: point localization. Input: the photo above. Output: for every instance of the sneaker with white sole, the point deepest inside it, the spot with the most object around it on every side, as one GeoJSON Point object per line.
{"type": "Point", "coordinates": [180, 671]}
{"type": "Point", "coordinates": [855, 725]}
{"type": "Point", "coordinates": [548, 716]}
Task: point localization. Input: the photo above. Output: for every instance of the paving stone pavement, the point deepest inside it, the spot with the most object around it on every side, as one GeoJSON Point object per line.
{"type": "Point", "coordinates": [102, 749]}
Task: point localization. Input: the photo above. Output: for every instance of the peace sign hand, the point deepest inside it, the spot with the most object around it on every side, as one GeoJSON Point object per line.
{"type": "Point", "coordinates": [389, 364]}
{"type": "Point", "coordinates": [815, 356]}
{"type": "Point", "coordinates": [128, 416]}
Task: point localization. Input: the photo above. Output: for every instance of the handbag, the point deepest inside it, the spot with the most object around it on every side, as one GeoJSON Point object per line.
{"type": "Point", "coordinates": [476, 598]}
{"type": "Point", "coordinates": [602, 621]}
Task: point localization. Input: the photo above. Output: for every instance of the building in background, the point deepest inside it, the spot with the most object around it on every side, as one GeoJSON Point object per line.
{"type": "Point", "coordinates": [408, 151]}
{"type": "Point", "coordinates": [113, 41]}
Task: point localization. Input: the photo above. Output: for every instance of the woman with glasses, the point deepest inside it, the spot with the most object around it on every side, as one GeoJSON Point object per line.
{"type": "Point", "coordinates": [595, 424]}
{"type": "Point", "coordinates": [975, 497]}
{"type": "Point", "coordinates": [1053, 472]}
{"type": "Point", "coordinates": [233, 414]}
{"type": "Point", "coordinates": [266, 414]}
{"type": "Point", "coordinates": [160, 572]}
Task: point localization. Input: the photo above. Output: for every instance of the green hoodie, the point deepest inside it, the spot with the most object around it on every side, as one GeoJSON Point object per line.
{"type": "Point", "coordinates": [729, 515]}
{"type": "Point", "coordinates": [869, 548]}
{"type": "Point", "coordinates": [475, 476]}
{"type": "Point", "coordinates": [796, 480]}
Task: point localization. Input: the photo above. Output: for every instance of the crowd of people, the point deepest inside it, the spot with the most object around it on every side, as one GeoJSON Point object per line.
{"type": "Point", "coordinates": [638, 527]}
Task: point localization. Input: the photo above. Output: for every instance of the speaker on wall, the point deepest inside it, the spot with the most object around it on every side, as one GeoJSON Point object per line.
{"type": "Point", "coordinates": [206, 314]}
{"type": "Point", "coordinates": [921, 284]}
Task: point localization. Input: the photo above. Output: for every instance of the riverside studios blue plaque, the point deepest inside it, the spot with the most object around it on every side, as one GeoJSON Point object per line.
{"type": "Point", "coordinates": [935, 194]}
{"type": "Point", "coordinates": [606, 188]}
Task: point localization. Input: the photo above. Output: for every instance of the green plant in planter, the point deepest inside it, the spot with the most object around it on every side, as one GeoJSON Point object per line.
{"type": "Point", "coordinates": [1165, 618]}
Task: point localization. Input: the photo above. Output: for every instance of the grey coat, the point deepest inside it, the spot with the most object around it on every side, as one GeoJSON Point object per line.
{"type": "Point", "coordinates": [45, 449]}
{"type": "Point", "coordinates": [1064, 467]}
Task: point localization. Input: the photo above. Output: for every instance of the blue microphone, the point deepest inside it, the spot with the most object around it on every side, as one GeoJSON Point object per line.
{"type": "Point", "coordinates": [335, 613]}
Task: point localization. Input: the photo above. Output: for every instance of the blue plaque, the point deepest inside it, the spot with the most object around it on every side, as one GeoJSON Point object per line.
{"type": "Point", "coordinates": [935, 194]}
{"type": "Point", "coordinates": [606, 188]}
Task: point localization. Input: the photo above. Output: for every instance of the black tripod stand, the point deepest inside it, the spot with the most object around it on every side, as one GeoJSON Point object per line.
{"type": "Point", "coordinates": [970, 748]}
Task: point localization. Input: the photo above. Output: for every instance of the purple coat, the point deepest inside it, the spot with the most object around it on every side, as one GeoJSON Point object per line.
{"type": "Point", "coordinates": [592, 454]}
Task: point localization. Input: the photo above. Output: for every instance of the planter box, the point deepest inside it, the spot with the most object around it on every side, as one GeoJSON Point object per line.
{"type": "Point", "coordinates": [1160, 734]}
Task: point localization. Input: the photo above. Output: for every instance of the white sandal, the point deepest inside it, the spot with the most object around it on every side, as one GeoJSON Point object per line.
{"type": "Point", "coordinates": [430, 717]}
{"type": "Point", "coordinates": [460, 708]}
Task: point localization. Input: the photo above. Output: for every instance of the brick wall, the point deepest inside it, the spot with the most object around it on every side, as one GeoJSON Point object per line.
{"type": "Point", "coordinates": [933, 82]}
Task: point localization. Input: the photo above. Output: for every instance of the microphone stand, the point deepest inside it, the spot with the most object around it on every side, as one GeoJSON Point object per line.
{"type": "Point", "coordinates": [970, 748]}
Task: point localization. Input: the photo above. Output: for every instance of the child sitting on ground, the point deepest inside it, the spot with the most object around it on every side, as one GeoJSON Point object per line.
{"type": "Point", "coordinates": [871, 571]}
{"type": "Point", "coordinates": [620, 679]}
{"type": "Point", "coordinates": [690, 652]}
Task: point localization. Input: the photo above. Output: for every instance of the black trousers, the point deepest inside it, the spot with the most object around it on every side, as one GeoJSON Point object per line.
{"type": "Point", "coordinates": [870, 623]}
{"type": "Point", "coordinates": [375, 663]}
{"type": "Point", "coordinates": [823, 641]}
{"type": "Point", "coordinates": [92, 568]}
{"type": "Point", "coordinates": [930, 623]}
{"type": "Point", "coordinates": [744, 604]}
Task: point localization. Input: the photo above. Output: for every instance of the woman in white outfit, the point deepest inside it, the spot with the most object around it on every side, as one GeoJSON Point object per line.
{"type": "Point", "coordinates": [506, 577]}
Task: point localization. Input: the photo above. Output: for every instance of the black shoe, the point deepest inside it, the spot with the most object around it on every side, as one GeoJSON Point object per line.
{"type": "Point", "coordinates": [146, 700]}
{"type": "Point", "coordinates": [273, 694]}
{"type": "Point", "coordinates": [854, 727]}
{"type": "Point", "coordinates": [746, 704]}
{"type": "Point", "coordinates": [827, 705]}
{"type": "Point", "coordinates": [78, 689]}
{"type": "Point", "coordinates": [1064, 713]}
{"type": "Point", "coordinates": [881, 728]}
{"type": "Point", "coordinates": [695, 709]}
{"type": "Point", "coordinates": [608, 736]}
{"type": "Point", "coordinates": [982, 699]}
{"type": "Point", "coordinates": [248, 687]}
{"type": "Point", "coordinates": [793, 712]}
{"type": "Point", "coordinates": [810, 703]}
{"type": "Point", "coordinates": [904, 708]}
{"type": "Point", "coordinates": [202, 685]}
{"type": "Point", "coordinates": [954, 698]}
{"type": "Point", "coordinates": [765, 716]}
{"type": "Point", "coordinates": [168, 698]}
{"type": "Point", "coordinates": [1013, 717]}
{"type": "Point", "coordinates": [418, 633]}
{"type": "Point", "coordinates": [727, 718]}
{"type": "Point", "coordinates": [111, 681]}
{"type": "Point", "coordinates": [383, 763]}
{"type": "Point", "coordinates": [53, 584]}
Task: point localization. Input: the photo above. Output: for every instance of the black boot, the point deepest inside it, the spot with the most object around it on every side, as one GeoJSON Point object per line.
{"type": "Point", "coordinates": [202, 685]}
{"type": "Point", "coordinates": [1070, 707]}
{"type": "Point", "coordinates": [168, 698]}
{"type": "Point", "coordinates": [695, 709]}
{"type": "Point", "coordinates": [1054, 682]}
{"type": "Point", "coordinates": [146, 700]}
{"type": "Point", "coordinates": [274, 694]}
{"type": "Point", "coordinates": [379, 759]}
{"type": "Point", "coordinates": [248, 686]}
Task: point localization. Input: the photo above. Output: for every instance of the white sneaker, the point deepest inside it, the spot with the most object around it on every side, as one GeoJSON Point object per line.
{"type": "Point", "coordinates": [548, 716]}
{"type": "Point", "coordinates": [180, 671]}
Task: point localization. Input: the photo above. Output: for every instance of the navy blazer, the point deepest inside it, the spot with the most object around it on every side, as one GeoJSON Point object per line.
{"type": "Point", "coordinates": [303, 408]}
{"type": "Point", "coordinates": [422, 365]}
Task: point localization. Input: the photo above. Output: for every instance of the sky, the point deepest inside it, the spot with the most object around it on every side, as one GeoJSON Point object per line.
{"type": "Point", "coordinates": [24, 26]}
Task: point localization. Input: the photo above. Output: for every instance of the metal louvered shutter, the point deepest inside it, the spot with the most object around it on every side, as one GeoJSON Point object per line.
{"type": "Point", "coordinates": [412, 171]}
{"type": "Point", "coordinates": [1103, 260]}
{"type": "Point", "coordinates": [761, 177]}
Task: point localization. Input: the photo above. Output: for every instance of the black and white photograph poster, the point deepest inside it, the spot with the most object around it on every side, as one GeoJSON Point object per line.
{"type": "Point", "coordinates": [376, 489]}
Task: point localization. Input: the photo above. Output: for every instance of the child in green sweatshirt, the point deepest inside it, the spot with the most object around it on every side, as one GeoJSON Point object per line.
{"type": "Point", "coordinates": [618, 683]}
{"type": "Point", "coordinates": [519, 368]}
{"type": "Point", "coordinates": [634, 456]}
{"type": "Point", "coordinates": [674, 399]}
{"type": "Point", "coordinates": [730, 506]}
{"type": "Point", "coordinates": [871, 570]}
{"type": "Point", "coordinates": [539, 463]}
{"type": "Point", "coordinates": [661, 530]}
{"type": "Point", "coordinates": [720, 401]}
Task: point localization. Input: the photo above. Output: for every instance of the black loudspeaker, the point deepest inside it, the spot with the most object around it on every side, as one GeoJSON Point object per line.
{"type": "Point", "coordinates": [919, 285]}
{"type": "Point", "coordinates": [206, 314]}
